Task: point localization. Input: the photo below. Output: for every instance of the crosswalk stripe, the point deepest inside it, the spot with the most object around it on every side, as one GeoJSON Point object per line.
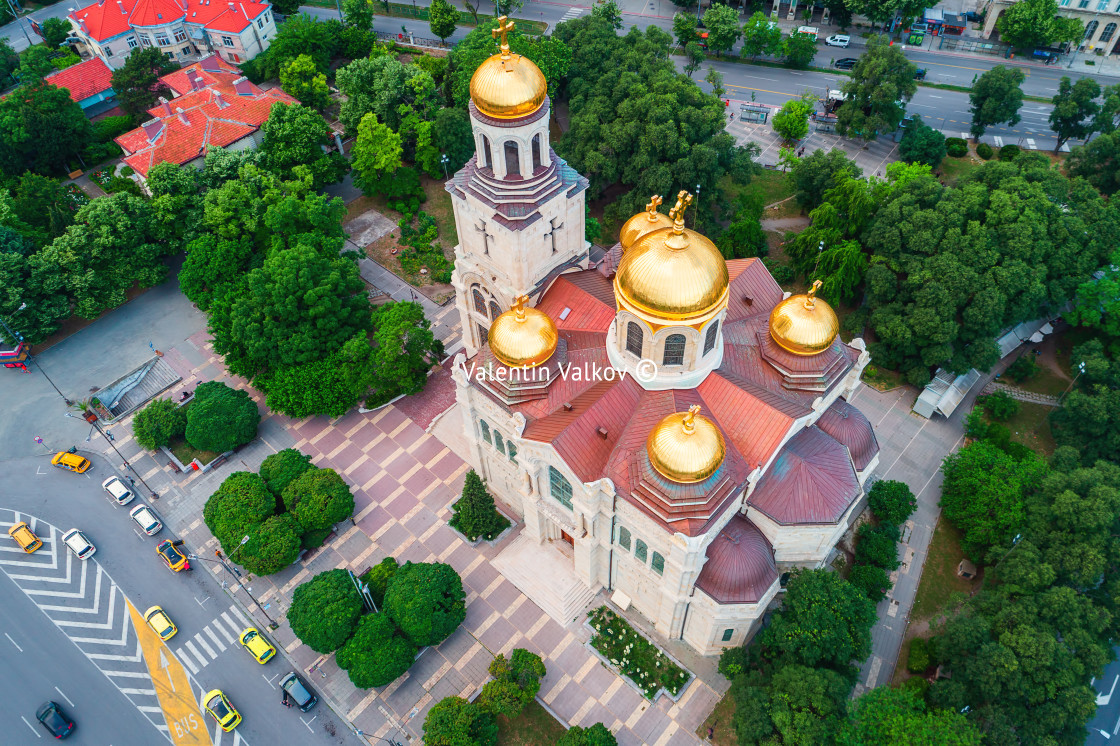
{"type": "Point", "coordinates": [999, 141]}
{"type": "Point", "coordinates": [194, 650]}
{"type": "Point", "coordinates": [139, 691]}
{"type": "Point", "coordinates": [203, 644]}
{"type": "Point", "coordinates": [182, 655]}
{"type": "Point", "coordinates": [230, 637]}
{"type": "Point", "coordinates": [217, 643]}
{"type": "Point", "coordinates": [244, 619]}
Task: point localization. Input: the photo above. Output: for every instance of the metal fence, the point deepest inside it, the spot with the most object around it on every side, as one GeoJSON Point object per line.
{"type": "Point", "coordinates": [417, 41]}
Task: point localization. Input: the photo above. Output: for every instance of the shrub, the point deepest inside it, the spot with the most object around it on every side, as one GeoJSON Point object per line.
{"type": "Point", "coordinates": [377, 578]}
{"type": "Point", "coordinates": [918, 659]}
{"type": "Point", "coordinates": [596, 735]}
{"type": "Point", "coordinates": [734, 661]}
{"type": "Point", "coordinates": [318, 499]}
{"type": "Point", "coordinates": [377, 654]}
{"type": "Point", "coordinates": [279, 469]}
{"type": "Point", "coordinates": [156, 424]}
{"type": "Point", "coordinates": [891, 501]}
{"type": "Point", "coordinates": [272, 546]}
{"type": "Point", "coordinates": [109, 127]}
{"type": "Point", "coordinates": [325, 611]}
{"type": "Point", "coordinates": [237, 507]}
{"type": "Point", "coordinates": [474, 513]}
{"type": "Point", "coordinates": [220, 418]}
{"type": "Point", "coordinates": [121, 184]}
{"type": "Point", "coordinates": [314, 539]}
{"type": "Point", "coordinates": [454, 721]}
{"type": "Point", "coordinates": [916, 684]}
{"type": "Point", "coordinates": [956, 147]}
{"type": "Point", "coordinates": [426, 600]}
{"type": "Point", "coordinates": [1009, 152]}
{"type": "Point", "coordinates": [515, 684]}
{"type": "Point", "coordinates": [1023, 369]}
{"type": "Point", "coordinates": [974, 426]}
{"type": "Point", "coordinates": [872, 581]}
{"type": "Point", "coordinates": [782, 273]}
{"type": "Point", "coordinates": [984, 150]}
{"type": "Point", "coordinates": [878, 546]}
{"type": "Point", "coordinates": [999, 405]}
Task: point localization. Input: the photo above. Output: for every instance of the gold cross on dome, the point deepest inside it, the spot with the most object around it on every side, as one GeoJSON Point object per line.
{"type": "Point", "coordinates": [504, 27]}
{"type": "Point", "coordinates": [689, 419]}
{"type": "Point", "coordinates": [519, 307]}
{"type": "Point", "coordinates": [684, 199]}
{"type": "Point", "coordinates": [811, 295]}
{"type": "Point", "coordinates": [654, 203]}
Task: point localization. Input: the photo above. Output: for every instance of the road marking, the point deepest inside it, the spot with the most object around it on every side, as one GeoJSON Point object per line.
{"type": "Point", "coordinates": [193, 649]}
{"type": "Point", "coordinates": [763, 90]}
{"type": "Point", "coordinates": [936, 96]}
{"type": "Point", "coordinates": [68, 700]}
{"type": "Point", "coordinates": [999, 142]}
{"type": "Point", "coordinates": [237, 613]}
{"type": "Point", "coordinates": [1030, 143]}
{"type": "Point", "coordinates": [186, 659]}
{"type": "Point", "coordinates": [1102, 699]}
{"type": "Point", "coordinates": [203, 644]}
{"type": "Point", "coordinates": [13, 642]}
{"type": "Point", "coordinates": [217, 643]}
{"type": "Point", "coordinates": [231, 637]}
{"type": "Point", "coordinates": [163, 665]}
{"type": "Point", "coordinates": [202, 602]}
{"type": "Point", "coordinates": [308, 723]}
{"type": "Point", "coordinates": [270, 680]}
{"type": "Point", "coordinates": [36, 731]}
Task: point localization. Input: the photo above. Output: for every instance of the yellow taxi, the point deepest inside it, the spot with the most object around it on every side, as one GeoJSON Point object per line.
{"type": "Point", "coordinates": [258, 647]}
{"type": "Point", "coordinates": [71, 461]}
{"type": "Point", "coordinates": [172, 556]}
{"type": "Point", "coordinates": [221, 709]}
{"type": "Point", "coordinates": [25, 537]}
{"type": "Point", "coordinates": [160, 623]}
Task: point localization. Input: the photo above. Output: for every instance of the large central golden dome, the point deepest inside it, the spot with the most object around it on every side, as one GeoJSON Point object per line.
{"type": "Point", "coordinates": [507, 86]}
{"type": "Point", "coordinates": [804, 324]}
{"type": "Point", "coordinates": [672, 275]}
{"type": "Point", "coordinates": [644, 223]}
{"type": "Point", "coordinates": [686, 447]}
{"type": "Point", "coordinates": [522, 337]}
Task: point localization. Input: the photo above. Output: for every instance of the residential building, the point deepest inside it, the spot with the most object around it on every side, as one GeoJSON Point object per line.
{"type": "Point", "coordinates": [1100, 17]}
{"type": "Point", "coordinates": [90, 83]}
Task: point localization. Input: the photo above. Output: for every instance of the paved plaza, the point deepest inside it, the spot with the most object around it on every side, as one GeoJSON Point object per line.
{"type": "Point", "coordinates": [873, 157]}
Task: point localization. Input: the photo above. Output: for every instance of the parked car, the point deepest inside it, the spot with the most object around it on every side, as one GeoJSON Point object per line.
{"type": "Point", "coordinates": [175, 558]}
{"type": "Point", "coordinates": [259, 647]}
{"type": "Point", "coordinates": [51, 716]}
{"type": "Point", "coordinates": [115, 487]}
{"type": "Point", "coordinates": [160, 623]}
{"type": "Point", "coordinates": [221, 709]}
{"type": "Point", "coordinates": [146, 520]}
{"type": "Point", "coordinates": [71, 461]}
{"type": "Point", "coordinates": [294, 687]}
{"type": "Point", "coordinates": [79, 544]}
{"type": "Point", "coordinates": [25, 537]}
{"type": "Point", "coordinates": [920, 74]}
{"type": "Point", "coordinates": [838, 40]}
{"type": "Point", "coordinates": [845, 63]}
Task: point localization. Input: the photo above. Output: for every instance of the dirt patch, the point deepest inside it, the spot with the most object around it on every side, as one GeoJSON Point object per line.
{"type": "Point", "coordinates": [381, 251]}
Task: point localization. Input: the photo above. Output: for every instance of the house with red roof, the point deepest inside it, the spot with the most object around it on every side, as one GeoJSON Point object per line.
{"type": "Point", "coordinates": [90, 83]}
{"type": "Point", "coordinates": [215, 106]}
{"type": "Point", "coordinates": [184, 30]}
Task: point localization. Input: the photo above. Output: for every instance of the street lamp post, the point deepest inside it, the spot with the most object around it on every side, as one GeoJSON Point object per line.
{"type": "Point", "coordinates": [1073, 57]}
{"type": "Point", "coordinates": [18, 339]}
{"type": "Point", "coordinates": [237, 577]}
{"type": "Point", "coordinates": [443, 159]}
{"type": "Point", "coordinates": [698, 207]}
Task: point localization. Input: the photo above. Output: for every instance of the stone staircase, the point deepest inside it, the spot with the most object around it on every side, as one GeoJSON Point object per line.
{"type": "Point", "coordinates": [149, 384]}
{"type": "Point", "coordinates": [545, 575]}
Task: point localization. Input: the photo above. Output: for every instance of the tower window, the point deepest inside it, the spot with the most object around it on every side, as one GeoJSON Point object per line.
{"type": "Point", "coordinates": [634, 339]}
{"type": "Point", "coordinates": [479, 301]}
{"type": "Point", "coordinates": [657, 563]}
{"type": "Point", "coordinates": [499, 443]}
{"type": "Point", "coordinates": [536, 152]}
{"type": "Point", "coordinates": [485, 430]}
{"type": "Point", "coordinates": [513, 159]}
{"type": "Point", "coordinates": [640, 550]}
{"type": "Point", "coordinates": [674, 350]}
{"type": "Point", "coordinates": [488, 159]}
{"type": "Point", "coordinates": [483, 335]}
{"type": "Point", "coordinates": [495, 310]}
{"type": "Point", "coordinates": [624, 538]}
{"type": "Point", "coordinates": [710, 337]}
{"type": "Point", "coordinates": [727, 633]}
{"type": "Point", "coordinates": [560, 487]}
{"type": "Point", "coordinates": [512, 449]}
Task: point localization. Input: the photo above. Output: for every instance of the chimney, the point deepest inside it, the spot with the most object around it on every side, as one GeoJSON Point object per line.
{"type": "Point", "coordinates": [221, 102]}
{"type": "Point", "coordinates": [152, 128]}
{"type": "Point", "coordinates": [183, 117]}
{"type": "Point", "coordinates": [602, 433]}
{"type": "Point", "coordinates": [196, 81]}
{"type": "Point", "coordinates": [243, 87]}
{"type": "Point", "coordinates": [82, 23]}
{"type": "Point", "coordinates": [568, 406]}
{"type": "Point", "coordinates": [166, 106]}
{"type": "Point", "coordinates": [121, 6]}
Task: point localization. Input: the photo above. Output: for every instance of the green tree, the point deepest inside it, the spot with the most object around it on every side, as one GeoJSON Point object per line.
{"type": "Point", "coordinates": [451, 134]}
{"type": "Point", "coordinates": [318, 499]}
{"type": "Point", "coordinates": [331, 386]}
{"type": "Point", "coordinates": [694, 57]}
{"type": "Point", "coordinates": [282, 467]}
{"type": "Point", "coordinates": [295, 135]}
{"type": "Point", "coordinates": [474, 513]}
{"type": "Point", "coordinates": [819, 172]}
{"type": "Point", "coordinates": [176, 203]}
{"type": "Point", "coordinates": [722, 23]}
{"type": "Point", "coordinates": [1097, 303]}
{"type": "Point", "coordinates": [35, 63]}
{"type": "Point", "coordinates": [380, 86]}
{"type": "Point", "coordinates": [921, 143]}
{"type": "Point", "coordinates": [551, 54]}
{"type": "Point", "coordinates": [806, 704]}
{"type": "Point", "coordinates": [220, 419]}
{"type": "Point", "coordinates": [376, 155]}
{"type": "Point", "coordinates": [798, 50]}
{"type": "Point", "coordinates": [300, 77]}
{"type": "Point", "coordinates": [1036, 23]}
{"type": "Point", "coordinates": [515, 684]}
{"type": "Point", "coordinates": [1087, 421]}
{"type": "Point", "coordinates": [137, 83]}
{"type": "Point", "coordinates": [41, 130]}
{"type": "Point", "coordinates": [156, 424]}
{"type": "Point", "coordinates": [996, 98]}
{"type": "Point", "coordinates": [378, 579]}
{"type": "Point", "coordinates": [299, 34]}
{"type": "Point", "coordinates": [238, 507]}
{"type": "Point", "coordinates": [325, 610]}
{"type": "Point", "coordinates": [872, 581]}
{"type": "Point", "coordinates": [1075, 107]}
{"type": "Point", "coordinates": [9, 58]}
{"type": "Point", "coordinates": [744, 237]}
{"type": "Point", "coordinates": [761, 36]}
{"type": "Point", "coordinates": [596, 735]}
{"type": "Point", "coordinates": [878, 546]}
{"type": "Point", "coordinates": [43, 205]}
{"type": "Point", "coordinates": [426, 601]}
{"type": "Point", "coordinates": [882, 82]}
{"type": "Point", "coordinates": [272, 546]}
{"type": "Point", "coordinates": [443, 18]}
{"type": "Point", "coordinates": [1098, 162]}
{"type": "Point", "coordinates": [714, 78]}
{"type": "Point", "coordinates": [898, 716]}
{"type": "Point", "coordinates": [891, 501]}
{"type": "Point", "coordinates": [454, 721]}
{"type": "Point", "coordinates": [358, 14]}
{"type": "Point", "coordinates": [55, 31]}
{"type": "Point", "coordinates": [608, 11]}
{"type": "Point", "coordinates": [30, 298]}
{"type": "Point", "coordinates": [792, 120]}
{"type": "Point", "coordinates": [377, 654]}
{"type": "Point", "coordinates": [404, 350]}
{"type": "Point", "coordinates": [823, 621]}
{"type": "Point", "coordinates": [684, 29]}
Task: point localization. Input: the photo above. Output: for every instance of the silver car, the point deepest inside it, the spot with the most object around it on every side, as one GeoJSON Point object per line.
{"type": "Point", "coordinates": [146, 519]}
{"type": "Point", "coordinates": [115, 487]}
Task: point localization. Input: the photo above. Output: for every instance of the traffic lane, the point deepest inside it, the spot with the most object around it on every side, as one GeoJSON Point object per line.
{"type": "Point", "coordinates": [1107, 717]}
{"type": "Point", "coordinates": [192, 598]}
{"type": "Point", "coordinates": [37, 658]}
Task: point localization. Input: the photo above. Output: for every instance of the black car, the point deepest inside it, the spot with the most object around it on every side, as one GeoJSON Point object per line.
{"type": "Point", "coordinates": [54, 719]}
{"type": "Point", "coordinates": [294, 689]}
{"type": "Point", "coordinates": [845, 63]}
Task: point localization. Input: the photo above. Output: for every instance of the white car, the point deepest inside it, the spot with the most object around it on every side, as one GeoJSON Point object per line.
{"type": "Point", "coordinates": [115, 487]}
{"type": "Point", "coordinates": [78, 543]}
{"type": "Point", "coordinates": [838, 40]}
{"type": "Point", "coordinates": [146, 520]}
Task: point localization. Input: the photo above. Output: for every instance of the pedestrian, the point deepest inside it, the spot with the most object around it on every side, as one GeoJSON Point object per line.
{"type": "Point", "coordinates": [711, 732]}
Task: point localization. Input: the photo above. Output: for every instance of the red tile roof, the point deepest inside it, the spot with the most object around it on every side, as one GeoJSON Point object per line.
{"type": "Point", "coordinates": [811, 481]}
{"type": "Point", "coordinates": [84, 79]}
{"type": "Point", "coordinates": [740, 567]}
{"type": "Point", "coordinates": [109, 18]}
{"type": "Point", "coordinates": [848, 426]}
{"type": "Point", "coordinates": [179, 81]}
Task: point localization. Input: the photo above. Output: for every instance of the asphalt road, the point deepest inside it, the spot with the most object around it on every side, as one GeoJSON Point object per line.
{"type": "Point", "coordinates": [208, 622]}
{"type": "Point", "coordinates": [1106, 723]}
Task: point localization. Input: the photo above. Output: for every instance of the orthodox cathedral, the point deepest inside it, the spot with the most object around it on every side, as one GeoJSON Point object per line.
{"type": "Point", "coordinates": [674, 417]}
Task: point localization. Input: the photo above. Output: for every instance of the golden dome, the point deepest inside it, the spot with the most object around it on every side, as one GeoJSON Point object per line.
{"type": "Point", "coordinates": [522, 337]}
{"type": "Point", "coordinates": [643, 223]}
{"type": "Point", "coordinates": [686, 447]}
{"type": "Point", "coordinates": [672, 275]}
{"type": "Point", "coordinates": [804, 324]}
{"type": "Point", "coordinates": [507, 86]}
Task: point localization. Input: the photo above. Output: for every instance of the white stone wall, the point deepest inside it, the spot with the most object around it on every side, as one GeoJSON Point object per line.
{"type": "Point", "coordinates": [708, 621]}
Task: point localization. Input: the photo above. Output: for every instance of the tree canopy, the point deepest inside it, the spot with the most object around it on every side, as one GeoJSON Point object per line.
{"type": "Point", "coordinates": [238, 507]}
{"type": "Point", "coordinates": [282, 467]}
{"type": "Point", "coordinates": [137, 83]}
{"type": "Point", "coordinates": [1036, 23]}
{"type": "Point", "coordinates": [318, 499]}
{"type": "Point", "coordinates": [404, 350]}
{"type": "Point", "coordinates": [454, 721]}
{"type": "Point", "coordinates": [220, 418]}
{"type": "Point", "coordinates": [882, 82]}
{"type": "Point", "coordinates": [996, 98]}
{"type": "Point", "coordinates": [41, 130]}
{"type": "Point", "coordinates": [377, 653]}
{"type": "Point", "coordinates": [427, 601]}
{"type": "Point", "coordinates": [885, 715]}
{"type": "Point", "coordinates": [325, 611]}
{"type": "Point", "coordinates": [921, 143]}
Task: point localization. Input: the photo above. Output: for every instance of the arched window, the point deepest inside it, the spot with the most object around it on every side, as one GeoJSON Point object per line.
{"type": "Point", "coordinates": [479, 300]}
{"type": "Point", "coordinates": [513, 159]}
{"type": "Point", "coordinates": [710, 337]}
{"type": "Point", "coordinates": [640, 550]}
{"type": "Point", "coordinates": [1090, 29]}
{"type": "Point", "coordinates": [495, 310]}
{"type": "Point", "coordinates": [488, 160]}
{"type": "Point", "coordinates": [485, 430]}
{"type": "Point", "coordinates": [499, 443]}
{"type": "Point", "coordinates": [1109, 30]}
{"type": "Point", "coordinates": [674, 350]}
{"type": "Point", "coordinates": [657, 562]}
{"type": "Point", "coordinates": [483, 335]}
{"type": "Point", "coordinates": [559, 487]}
{"type": "Point", "coordinates": [634, 339]}
{"type": "Point", "coordinates": [624, 538]}
{"type": "Point", "coordinates": [727, 633]}
{"type": "Point", "coordinates": [536, 152]}
{"type": "Point", "coordinates": [512, 449]}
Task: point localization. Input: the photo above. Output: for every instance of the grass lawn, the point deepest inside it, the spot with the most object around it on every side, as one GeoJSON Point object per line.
{"type": "Point", "coordinates": [1045, 381]}
{"type": "Point", "coordinates": [881, 378]}
{"type": "Point", "coordinates": [952, 169]}
{"type": "Point", "coordinates": [723, 732]}
{"type": "Point", "coordinates": [533, 727]}
{"type": "Point", "coordinates": [939, 575]}
{"type": "Point", "coordinates": [1031, 427]}
{"type": "Point", "coordinates": [186, 453]}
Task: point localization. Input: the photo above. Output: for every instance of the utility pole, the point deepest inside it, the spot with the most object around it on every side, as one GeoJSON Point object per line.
{"type": "Point", "coordinates": [237, 577]}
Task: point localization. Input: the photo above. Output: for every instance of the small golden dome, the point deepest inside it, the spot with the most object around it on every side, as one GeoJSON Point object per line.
{"type": "Point", "coordinates": [643, 223]}
{"type": "Point", "coordinates": [672, 274]}
{"type": "Point", "coordinates": [686, 447]}
{"type": "Point", "coordinates": [507, 86]}
{"type": "Point", "coordinates": [522, 337]}
{"type": "Point", "coordinates": [804, 324]}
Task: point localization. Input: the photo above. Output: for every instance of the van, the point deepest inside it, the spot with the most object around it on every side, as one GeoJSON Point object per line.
{"type": "Point", "coordinates": [71, 461]}
{"type": "Point", "coordinates": [78, 543]}
{"type": "Point", "coordinates": [25, 537]}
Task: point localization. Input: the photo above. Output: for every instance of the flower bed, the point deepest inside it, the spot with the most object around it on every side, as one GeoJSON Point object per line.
{"type": "Point", "coordinates": [634, 656]}
{"type": "Point", "coordinates": [101, 177]}
{"type": "Point", "coordinates": [76, 196]}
